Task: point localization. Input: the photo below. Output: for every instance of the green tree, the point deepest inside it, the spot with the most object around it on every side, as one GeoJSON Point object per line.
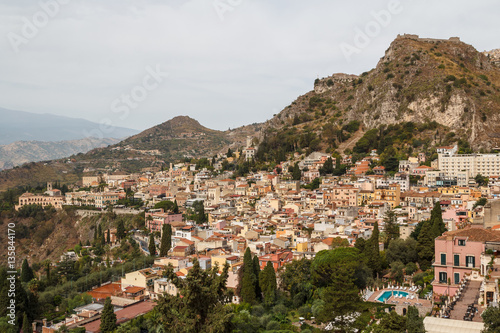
{"type": "Point", "coordinates": [166, 205]}
{"type": "Point", "coordinates": [480, 202]}
{"type": "Point", "coordinates": [26, 272]}
{"type": "Point", "coordinates": [414, 323]}
{"type": "Point", "coordinates": [26, 328]}
{"type": "Point", "coordinates": [491, 319]}
{"type": "Point", "coordinates": [391, 227]}
{"type": "Point", "coordinates": [372, 251]}
{"type": "Point", "coordinates": [327, 167]}
{"type": "Point", "coordinates": [256, 272]}
{"type": "Point", "coordinates": [296, 282]}
{"type": "Point", "coordinates": [166, 240]}
{"type": "Point", "coordinates": [99, 231]}
{"type": "Point", "coordinates": [248, 279]}
{"type": "Point", "coordinates": [425, 246]}
{"type": "Point", "coordinates": [175, 209]}
{"type": "Point", "coordinates": [397, 272]}
{"type": "Point", "coordinates": [391, 164]}
{"type": "Point", "coordinates": [199, 212]}
{"type": "Point", "coordinates": [108, 317]}
{"type": "Point", "coordinates": [268, 284]}
{"type": "Point", "coordinates": [120, 230]}
{"type": "Point", "coordinates": [391, 323]}
{"type": "Point", "coordinates": [201, 308]}
{"type": "Point", "coordinates": [360, 244]}
{"type": "Point", "coordinates": [333, 273]}
{"type": "Point", "coordinates": [152, 245]}
{"type": "Point", "coordinates": [296, 173]}
{"type": "Point", "coordinates": [229, 153]}
{"type": "Point", "coordinates": [437, 224]}
{"type": "Point", "coordinates": [402, 250]}
{"type": "Point", "coordinates": [108, 239]}
{"type": "Point", "coordinates": [481, 180]}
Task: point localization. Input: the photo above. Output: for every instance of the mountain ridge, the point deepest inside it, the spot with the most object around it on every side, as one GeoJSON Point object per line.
{"type": "Point", "coordinates": [417, 79]}
{"type": "Point", "coordinates": [445, 86]}
{"type": "Point", "coordinates": [27, 126]}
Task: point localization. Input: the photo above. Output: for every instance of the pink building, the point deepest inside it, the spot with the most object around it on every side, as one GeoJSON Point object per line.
{"type": "Point", "coordinates": [156, 220]}
{"type": "Point", "coordinates": [457, 253]}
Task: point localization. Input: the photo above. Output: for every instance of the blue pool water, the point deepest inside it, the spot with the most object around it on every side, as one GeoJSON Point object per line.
{"type": "Point", "coordinates": [388, 293]}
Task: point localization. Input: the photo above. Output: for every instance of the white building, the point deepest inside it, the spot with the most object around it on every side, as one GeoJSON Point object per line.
{"type": "Point", "coordinates": [484, 164]}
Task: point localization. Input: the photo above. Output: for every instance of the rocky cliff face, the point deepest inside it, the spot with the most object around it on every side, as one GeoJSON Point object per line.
{"type": "Point", "coordinates": [493, 56]}
{"type": "Point", "coordinates": [418, 80]}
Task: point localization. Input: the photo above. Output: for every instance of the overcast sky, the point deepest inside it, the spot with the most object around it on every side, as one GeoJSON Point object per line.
{"type": "Point", "coordinates": [229, 62]}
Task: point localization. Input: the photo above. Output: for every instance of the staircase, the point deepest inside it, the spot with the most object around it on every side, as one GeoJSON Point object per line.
{"type": "Point", "coordinates": [467, 303]}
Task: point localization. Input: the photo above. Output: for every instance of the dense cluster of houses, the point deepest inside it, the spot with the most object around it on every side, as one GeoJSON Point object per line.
{"type": "Point", "coordinates": [280, 221]}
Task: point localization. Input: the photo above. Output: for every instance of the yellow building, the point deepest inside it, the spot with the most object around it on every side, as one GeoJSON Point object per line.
{"type": "Point", "coordinates": [142, 278]}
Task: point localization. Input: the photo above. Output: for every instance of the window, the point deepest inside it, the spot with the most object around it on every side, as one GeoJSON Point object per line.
{"type": "Point", "coordinates": [443, 258]}
{"type": "Point", "coordinates": [470, 261]}
{"type": "Point", "coordinates": [443, 277]}
{"type": "Point", "coordinates": [457, 278]}
{"type": "Point", "coordinates": [461, 242]}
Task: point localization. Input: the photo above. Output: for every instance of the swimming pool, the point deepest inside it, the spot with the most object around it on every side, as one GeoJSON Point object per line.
{"type": "Point", "coordinates": [388, 293]}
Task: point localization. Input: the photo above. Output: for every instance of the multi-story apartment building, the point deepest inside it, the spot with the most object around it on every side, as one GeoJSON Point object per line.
{"type": "Point", "coordinates": [457, 253]}
{"type": "Point", "coordinates": [156, 220]}
{"type": "Point", "coordinates": [444, 179]}
{"type": "Point", "coordinates": [42, 200]}
{"type": "Point", "coordinates": [341, 196]}
{"type": "Point", "coordinates": [484, 164]}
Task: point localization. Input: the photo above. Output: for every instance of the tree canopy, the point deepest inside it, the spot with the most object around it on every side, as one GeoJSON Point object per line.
{"type": "Point", "coordinates": [200, 306]}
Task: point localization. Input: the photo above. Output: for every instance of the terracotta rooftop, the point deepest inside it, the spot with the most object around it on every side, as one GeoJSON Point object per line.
{"type": "Point", "coordinates": [473, 235]}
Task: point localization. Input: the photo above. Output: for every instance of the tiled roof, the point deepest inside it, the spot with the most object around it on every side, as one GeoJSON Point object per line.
{"type": "Point", "coordinates": [473, 235]}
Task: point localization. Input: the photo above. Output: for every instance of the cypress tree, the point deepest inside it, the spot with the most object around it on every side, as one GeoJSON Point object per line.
{"type": "Point", "coordinates": [26, 324]}
{"type": "Point", "coordinates": [120, 230]}
{"type": "Point", "coordinates": [166, 240]}
{"type": "Point", "coordinates": [373, 251]}
{"type": "Point", "coordinates": [26, 272]}
{"type": "Point", "coordinates": [108, 317]}
{"type": "Point", "coordinates": [102, 239]}
{"type": "Point", "coordinates": [47, 271]}
{"type": "Point", "coordinates": [152, 246]}
{"type": "Point", "coordinates": [256, 271]}
{"type": "Point", "coordinates": [425, 246]}
{"type": "Point", "coordinates": [437, 225]}
{"type": "Point", "coordinates": [360, 244]}
{"type": "Point", "coordinates": [109, 237]}
{"type": "Point", "coordinates": [414, 323]}
{"type": "Point", "coordinates": [99, 230]}
{"type": "Point", "coordinates": [391, 227]}
{"type": "Point", "coordinates": [175, 209]}
{"type": "Point", "coordinates": [296, 174]}
{"type": "Point", "coordinates": [268, 284]}
{"type": "Point", "coordinates": [248, 279]}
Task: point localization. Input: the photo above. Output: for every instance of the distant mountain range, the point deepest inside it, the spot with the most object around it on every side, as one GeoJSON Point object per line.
{"type": "Point", "coordinates": [20, 152]}
{"type": "Point", "coordinates": [445, 84]}
{"type": "Point", "coordinates": [27, 126]}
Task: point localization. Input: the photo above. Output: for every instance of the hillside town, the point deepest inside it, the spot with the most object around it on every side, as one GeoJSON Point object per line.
{"type": "Point", "coordinates": [280, 218]}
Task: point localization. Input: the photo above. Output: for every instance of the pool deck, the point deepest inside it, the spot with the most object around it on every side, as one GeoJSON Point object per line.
{"type": "Point", "coordinates": [400, 301]}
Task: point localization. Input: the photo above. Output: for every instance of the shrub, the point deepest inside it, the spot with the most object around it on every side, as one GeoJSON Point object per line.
{"type": "Point", "coordinates": [273, 326]}
{"type": "Point", "coordinates": [450, 78]}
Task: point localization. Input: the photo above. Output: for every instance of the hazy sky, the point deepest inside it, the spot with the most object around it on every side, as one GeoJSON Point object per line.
{"type": "Point", "coordinates": [229, 62]}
